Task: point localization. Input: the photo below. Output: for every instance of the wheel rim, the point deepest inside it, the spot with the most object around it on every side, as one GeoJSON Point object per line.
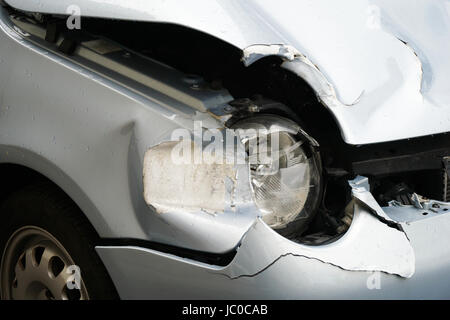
{"type": "Point", "coordinates": [36, 266]}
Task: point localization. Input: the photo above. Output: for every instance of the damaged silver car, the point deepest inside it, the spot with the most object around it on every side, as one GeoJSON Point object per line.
{"type": "Point", "coordinates": [224, 149]}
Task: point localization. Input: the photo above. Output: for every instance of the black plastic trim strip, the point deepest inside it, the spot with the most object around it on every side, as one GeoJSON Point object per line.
{"type": "Point", "coordinates": [218, 259]}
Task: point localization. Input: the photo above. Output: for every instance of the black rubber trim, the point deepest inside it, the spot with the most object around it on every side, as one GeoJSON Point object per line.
{"type": "Point", "coordinates": [68, 46]}
{"type": "Point", "coordinates": [218, 259]}
{"type": "Point", "coordinates": [422, 153]}
{"type": "Point", "coordinates": [53, 30]}
{"type": "Point", "coordinates": [427, 160]}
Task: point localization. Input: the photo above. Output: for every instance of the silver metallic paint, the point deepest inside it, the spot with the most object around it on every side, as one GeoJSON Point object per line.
{"type": "Point", "coordinates": [90, 127]}
{"type": "Point", "coordinates": [283, 275]}
{"type": "Point", "coordinates": [357, 46]}
{"type": "Point", "coordinates": [89, 135]}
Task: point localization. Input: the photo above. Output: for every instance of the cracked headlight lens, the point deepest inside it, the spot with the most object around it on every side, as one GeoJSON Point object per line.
{"type": "Point", "coordinates": [285, 173]}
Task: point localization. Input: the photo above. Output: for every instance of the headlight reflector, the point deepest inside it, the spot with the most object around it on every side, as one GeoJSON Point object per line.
{"type": "Point", "coordinates": [285, 173]}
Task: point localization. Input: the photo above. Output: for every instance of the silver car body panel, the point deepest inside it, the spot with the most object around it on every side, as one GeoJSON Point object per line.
{"type": "Point", "coordinates": [386, 69]}
{"type": "Point", "coordinates": [89, 127]}
{"type": "Point", "coordinates": [279, 271]}
{"type": "Point", "coordinates": [73, 119]}
{"type": "Point", "coordinates": [95, 128]}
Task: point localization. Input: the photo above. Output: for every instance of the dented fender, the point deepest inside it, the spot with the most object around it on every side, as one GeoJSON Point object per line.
{"type": "Point", "coordinates": [407, 263]}
{"type": "Point", "coordinates": [370, 244]}
{"type": "Point", "coordinates": [374, 242]}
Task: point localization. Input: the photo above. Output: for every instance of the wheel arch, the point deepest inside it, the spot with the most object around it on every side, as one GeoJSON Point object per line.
{"type": "Point", "coordinates": [20, 168]}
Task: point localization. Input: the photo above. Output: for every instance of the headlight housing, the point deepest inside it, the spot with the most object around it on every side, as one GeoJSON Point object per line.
{"type": "Point", "coordinates": [285, 171]}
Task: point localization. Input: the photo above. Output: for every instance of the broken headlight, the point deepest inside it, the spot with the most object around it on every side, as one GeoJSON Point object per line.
{"type": "Point", "coordinates": [285, 171]}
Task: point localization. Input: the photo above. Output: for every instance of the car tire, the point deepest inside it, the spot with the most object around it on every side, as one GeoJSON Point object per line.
{"type": "Point", "coordinates": [47, 249]}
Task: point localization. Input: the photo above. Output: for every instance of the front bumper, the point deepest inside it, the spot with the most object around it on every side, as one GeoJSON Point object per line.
{"type": "Point", "coordinates": [370, 261]}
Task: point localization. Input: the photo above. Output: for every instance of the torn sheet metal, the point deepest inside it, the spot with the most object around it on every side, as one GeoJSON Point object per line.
{"type": "Point", "coordinates": [361, 192]}
{"type": "Point", "coordinates": [300, 65]}
{"type": "Point", "coordinates": [309, 72]}
{"type": "Point", "coordinates": [269, 266]}
{"type": "Point", "coordinates": [286, 277]}
{"type": "Point", "coordinates": [256, 52]}
{"type": "Point", "coordinates": [369, 245]}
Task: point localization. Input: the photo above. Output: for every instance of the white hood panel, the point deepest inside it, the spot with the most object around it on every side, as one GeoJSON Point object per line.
{"type": "Point", "coordinates": [385, 89]}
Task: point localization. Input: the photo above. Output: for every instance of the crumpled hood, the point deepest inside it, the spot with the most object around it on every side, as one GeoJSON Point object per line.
{"type": "Point", "coordinates": [388, 61]}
